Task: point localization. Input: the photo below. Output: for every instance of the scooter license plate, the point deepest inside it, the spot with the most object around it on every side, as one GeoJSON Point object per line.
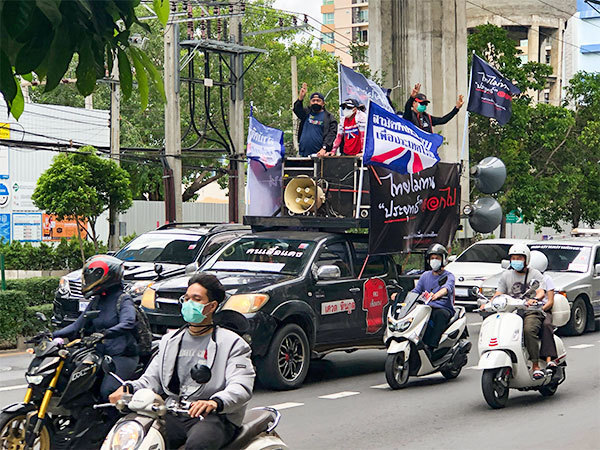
{"type": "Point", "coordinates": [82, 306]}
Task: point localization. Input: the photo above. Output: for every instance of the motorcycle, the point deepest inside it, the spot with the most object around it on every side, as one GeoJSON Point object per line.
{"type": "Point", "coordinates": [144, 426]}
{"type": "Point", "coordinates": [57, 411]}
{"type": "Point", "coordinates": [502, 353]}
{"type": "Point", "coordinates": [406, 354]}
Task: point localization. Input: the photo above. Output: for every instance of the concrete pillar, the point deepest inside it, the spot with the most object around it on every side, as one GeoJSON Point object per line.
{"type": "Point", "coordinates": [533, 51]}
{"type": "Point", "coordinates": [556, 60]}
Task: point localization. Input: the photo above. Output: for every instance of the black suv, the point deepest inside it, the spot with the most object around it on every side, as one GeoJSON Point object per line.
{"type": "Point", "coordinates": [170, 250]}
{"type": "Point", "coordinates": [303, 293]}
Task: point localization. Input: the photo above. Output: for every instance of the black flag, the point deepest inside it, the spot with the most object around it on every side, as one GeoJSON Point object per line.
{"type": "Point", "coordinates": [490, 93]}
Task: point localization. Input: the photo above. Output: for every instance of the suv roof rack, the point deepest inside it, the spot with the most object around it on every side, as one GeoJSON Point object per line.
{"type": "Point", "coordinates": [305, 223]}
{"type": "Point", "coordinates": [214, 226]}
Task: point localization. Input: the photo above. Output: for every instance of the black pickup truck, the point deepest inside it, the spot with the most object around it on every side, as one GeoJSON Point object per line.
{"type": "Point", "coordinates": [305, 293]}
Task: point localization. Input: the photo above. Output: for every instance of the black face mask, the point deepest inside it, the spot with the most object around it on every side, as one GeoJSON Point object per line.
{"type": "Point", "coordinates": [315, 107]}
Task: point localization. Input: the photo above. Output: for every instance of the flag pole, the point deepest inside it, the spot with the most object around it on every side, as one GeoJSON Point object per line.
{"type": "Point", "coordinates": [362, 167]}
{"type": "Point", "coordinates": [466, 129]}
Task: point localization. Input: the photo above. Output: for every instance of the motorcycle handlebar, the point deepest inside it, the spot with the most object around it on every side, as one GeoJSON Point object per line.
{"type": "Point", "coordinates": [103, 405]}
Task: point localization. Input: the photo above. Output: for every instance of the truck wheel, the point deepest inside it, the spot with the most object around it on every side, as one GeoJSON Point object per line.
{"type": "Point", "coordinates": [12, 432]}
{"type": "Point", "coordinates": [578, 320]}
{"type": "Point", "coordinates": [494, 392]}
{"type": "Point", "coordinates": [396, 370]}
{"type": "Point", "coordinates": [286, 363]}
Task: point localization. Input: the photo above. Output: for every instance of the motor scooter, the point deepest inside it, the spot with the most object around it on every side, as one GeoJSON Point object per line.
{"type": "Point", "coordinates": [502, 353]}
{"type": "Point", "coordinates": [407, 355]}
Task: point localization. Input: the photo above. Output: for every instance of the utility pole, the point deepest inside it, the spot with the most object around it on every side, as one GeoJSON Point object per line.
{"type": "Point", "coordinates": [173, 206]}
{"type": "Point", "coordinates": [294, 98]}
{"type": "Point", "coordinates": [115, 149]}
{"type": "Point", "coordinates": [237, 177]}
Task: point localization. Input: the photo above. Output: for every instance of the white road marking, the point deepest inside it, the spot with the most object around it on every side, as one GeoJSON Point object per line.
{"type": "Point", "coordinates": [472, 367]}
{"type": "Point", "coordinates": [13, 388]}
{"type": "Point", "coordinates": [381, 386]}
{"type": "Point", "coordinates": [286, 405]}
{"type": "Point", "coordinates": [582, 346]}
{"type": "Point", "coordinates": [339, 395]}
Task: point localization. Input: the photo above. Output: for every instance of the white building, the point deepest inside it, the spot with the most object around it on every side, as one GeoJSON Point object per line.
{"type": "Point", "coordinates": [583, 31]}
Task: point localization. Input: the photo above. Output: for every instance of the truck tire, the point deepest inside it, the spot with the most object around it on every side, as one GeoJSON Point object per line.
{"type": "Point", "coordinates": [578, 321]}
{"type": "Point", "coordinates": [285, 364]}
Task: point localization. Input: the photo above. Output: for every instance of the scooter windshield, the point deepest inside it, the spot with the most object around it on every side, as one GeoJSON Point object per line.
{"type": "Point", "coordinates": [401, 309]}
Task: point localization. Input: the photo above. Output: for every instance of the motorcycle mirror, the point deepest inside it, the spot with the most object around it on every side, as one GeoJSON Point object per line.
{"type": "Point", "coordinates": [443, 280]}
{"type": "Point", "coordinates": [505, 264]}
{"type": "Point", "coordinates": [484, 215]}
{"type": "Point", "coordinates": [108, 365]}
{"type": "Point", "coordinates": [489, 175]}
{"type": "Point", "coordinates": [201, 373]}
{"type": "Point", "coordinates": [41, 316]}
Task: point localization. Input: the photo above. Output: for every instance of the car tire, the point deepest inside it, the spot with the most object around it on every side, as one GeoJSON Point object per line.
{"type": "Point", "coordinates": [578, 321]}
{"type": "Point", "coordinates": [286, 363]}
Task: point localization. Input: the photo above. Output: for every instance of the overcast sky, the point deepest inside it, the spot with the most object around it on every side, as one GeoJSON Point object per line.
{"type": "Point", "coordinates": [310, 7]}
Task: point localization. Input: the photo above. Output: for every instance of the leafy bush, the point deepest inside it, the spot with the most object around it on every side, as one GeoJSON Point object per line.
{"type": "Point", "coordinates": [31, 324]}
{"type": "Point", "coordinates": [39, 290]}
{"type": "Point", "coordinates": [13, 305]}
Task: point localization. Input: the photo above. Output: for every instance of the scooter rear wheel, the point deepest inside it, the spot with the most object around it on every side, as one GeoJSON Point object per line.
{"type": "Point", "coordinates": [495, 394]}
{"type": "Point", "coordinates": [396, 370]}
{"type": "Point", "coordinates": [549, 390]}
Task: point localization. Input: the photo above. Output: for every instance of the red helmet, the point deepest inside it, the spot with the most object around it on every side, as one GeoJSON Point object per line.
{"type": "Point", "coordinates": [99, 273]}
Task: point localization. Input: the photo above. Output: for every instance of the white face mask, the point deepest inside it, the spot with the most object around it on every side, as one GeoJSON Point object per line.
{"type": "Point", "coordinates": [435, 264]}
{"type": "Point", "coordinates": [348, 113]}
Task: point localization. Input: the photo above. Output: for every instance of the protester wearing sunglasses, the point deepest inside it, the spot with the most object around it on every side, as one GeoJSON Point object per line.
{"type": "Point", "coordinates": [351, 130]}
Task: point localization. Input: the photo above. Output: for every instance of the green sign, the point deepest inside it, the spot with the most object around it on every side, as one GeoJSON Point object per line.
{"type": "Point", "coordinates": [513, 217]}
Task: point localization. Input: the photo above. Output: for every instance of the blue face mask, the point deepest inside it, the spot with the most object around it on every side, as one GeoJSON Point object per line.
{"type": "Point", "coordinates": [517, 265]}
{"type": "Point", "coordinates": [421, 108]}
{"type": "Point", "coordinates": [192, 311]}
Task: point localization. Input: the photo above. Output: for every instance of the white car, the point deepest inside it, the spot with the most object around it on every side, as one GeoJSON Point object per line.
{"type": "Point", "coordinates": [477, 263]}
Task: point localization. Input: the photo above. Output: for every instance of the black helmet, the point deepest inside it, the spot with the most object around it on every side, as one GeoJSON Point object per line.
{"type": "Point", "coordinates": [438, 249]}
{"type": "Point", "coordinates": [99, 273]}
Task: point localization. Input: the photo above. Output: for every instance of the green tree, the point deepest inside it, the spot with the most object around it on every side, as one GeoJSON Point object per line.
{"type": "Point", "coordinates": [82, 185]}
{"type": "Point", "coordinates": [41, 37]}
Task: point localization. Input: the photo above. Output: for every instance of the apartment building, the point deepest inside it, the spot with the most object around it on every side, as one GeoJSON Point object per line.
{"type": "Point", "coordinates": [345, 22]}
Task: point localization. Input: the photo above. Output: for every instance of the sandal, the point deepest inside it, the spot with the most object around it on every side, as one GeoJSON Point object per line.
{"type": "Point", "coordinates": [551, 365]}
{"type": "Point", "coordinates": [538, 374]}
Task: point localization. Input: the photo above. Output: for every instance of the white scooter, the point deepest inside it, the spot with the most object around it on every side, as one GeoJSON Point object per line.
{"type": "Point", "coordinates": [503, 356]}
{"type": "Point", "coordinates": [144, 427]}
{"type": "Point", "coordinates": [406, 324]}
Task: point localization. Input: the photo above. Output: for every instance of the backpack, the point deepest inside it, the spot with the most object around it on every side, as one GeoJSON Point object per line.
{"type": "Point", "coordinates": [141, 331]}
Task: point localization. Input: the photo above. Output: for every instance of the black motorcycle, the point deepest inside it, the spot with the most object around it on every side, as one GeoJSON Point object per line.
{"type": "Point", "coordinates": [57, 411]}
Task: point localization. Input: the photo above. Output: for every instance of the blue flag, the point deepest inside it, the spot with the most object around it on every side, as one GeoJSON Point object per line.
{"type": "Point", "coordinates": [357, 86]}
{"type": "Point", "coordinates": [265, 144]}
{"type": "Point", "coordinates": [397, 144]}
{"type": "Point", "coordinates": [490, 93]}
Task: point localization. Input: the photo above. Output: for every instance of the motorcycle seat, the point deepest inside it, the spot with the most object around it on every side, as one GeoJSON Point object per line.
{"type": "Point", "coordinates": [459, 311]}
{"type": "Point", "coordinates": [255, 422]}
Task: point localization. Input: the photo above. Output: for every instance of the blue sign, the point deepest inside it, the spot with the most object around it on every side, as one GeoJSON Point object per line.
{"type": "Point", "coordinates": [5, 227]}
{"type": "Point", "coordinates": [4, 195]}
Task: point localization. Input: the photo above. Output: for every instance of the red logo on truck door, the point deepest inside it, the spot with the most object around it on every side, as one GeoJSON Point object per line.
{"type": "Point", "coordinates": [374, 300]}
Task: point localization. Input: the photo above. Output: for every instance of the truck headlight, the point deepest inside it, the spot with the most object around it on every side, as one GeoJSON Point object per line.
{"type": "Point", "coordinates": [127, 436]}
{"type": "Point", "coordinates": [246, 303]}
{"type": "Point", "coordinates": [149, 298]}
{"type": "Point", "coordinates": [139, 287]}
{"type": "Point", "coordinates": [63, 286]}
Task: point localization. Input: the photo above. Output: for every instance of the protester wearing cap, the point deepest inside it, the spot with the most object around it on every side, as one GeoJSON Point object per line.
{"type": "Point", "coordinates": [317, 127]}
{"type": "Point", "coordinates": [351, 130]}
{"type": "Point", "coordinates": [416, 107]}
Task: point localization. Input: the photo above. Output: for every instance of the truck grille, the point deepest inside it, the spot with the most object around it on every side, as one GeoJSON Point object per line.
{"type": "Point", "coordinates": [168, 303]}
{"type": "Point", "coordinates": [75, 287]}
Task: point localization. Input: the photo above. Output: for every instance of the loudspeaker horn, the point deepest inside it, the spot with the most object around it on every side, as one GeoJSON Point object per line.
{"type": "Point", "coordinates": [489, 174]}
{"type": "Point", "coordinates": [302, 195]}
{"type": "Point", "coordinates": [484, 215]}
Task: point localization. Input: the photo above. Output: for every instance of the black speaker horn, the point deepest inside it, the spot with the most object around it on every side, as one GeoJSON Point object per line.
{"type": "Point", "coordinates": [489, 174]}
{"type": "Point", "coordinates": [484, 215]}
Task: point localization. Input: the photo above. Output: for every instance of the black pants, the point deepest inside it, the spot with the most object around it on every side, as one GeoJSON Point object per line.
{"type": "Point", "coordinates": [437, 324]}
{"type": "Point", "coordinates": [212, 433]}
{"type": "Point", "coordinates": [548, 348]}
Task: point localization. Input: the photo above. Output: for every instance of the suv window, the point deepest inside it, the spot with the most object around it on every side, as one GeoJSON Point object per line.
{"type": "Point", "coordinates": [162, 247]}
{"type": "Point", "coordinates": [215, 243]}
{"type": "Point", "coordinates": [485, 253]}
{"type": "Point", "coordinates": [335, 254]}
{"type": "Point", "coordinates": [376, 265]}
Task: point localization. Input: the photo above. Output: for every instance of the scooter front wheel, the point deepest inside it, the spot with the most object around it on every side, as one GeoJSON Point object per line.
{"type": "Point", "coordinates": [396, 370]}
{"type": "Point", "coordinates": [494, 384]}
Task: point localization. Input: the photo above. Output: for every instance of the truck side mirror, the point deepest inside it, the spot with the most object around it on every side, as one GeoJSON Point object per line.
{"type": "Point", "coordinates": [452, 258]}
{"type": "Point", "coordinates": [328, 272]}
{"type": "Point", "coordinates": [191, 268]}
{"type": "Point", "coordinates": [597, 270]}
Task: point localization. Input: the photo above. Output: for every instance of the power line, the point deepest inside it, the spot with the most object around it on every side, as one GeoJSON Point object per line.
{"type": "Point", "coordinates": [567, 12]}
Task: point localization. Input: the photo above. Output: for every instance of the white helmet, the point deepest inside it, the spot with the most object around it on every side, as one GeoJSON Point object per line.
{"type": "Point", "coordinates": [520, 249]}
{"type": "Point", "coordinates": [538, 261]}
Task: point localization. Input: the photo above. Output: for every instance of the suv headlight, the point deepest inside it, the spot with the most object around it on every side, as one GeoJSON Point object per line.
{"type": "Point", "coordinates": [139, 287]}
{"type": "Point", "coordinates": [127, 436]}
{"type": "Point", "coordinates": [149, 298]}
{"type": "Point", "coordinates": [246, 303]}
{"type": "Point", "coordinates": [63, 286]}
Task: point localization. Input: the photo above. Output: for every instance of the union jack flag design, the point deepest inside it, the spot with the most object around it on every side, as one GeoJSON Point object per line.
{"type": "Point", "coordinates": [398, 145]}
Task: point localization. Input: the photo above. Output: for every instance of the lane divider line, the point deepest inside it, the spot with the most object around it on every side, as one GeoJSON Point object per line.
{"type": "Point", "coordinates": [381, 386]}
{"type": "Point", "coordinates": [582, 346]}
{"type": "Point", "coordinates": [286, 405]}
{"type": "Point", "coordinates": [13, 388]}
{"type": "Point", "coordinates": [339, 395]}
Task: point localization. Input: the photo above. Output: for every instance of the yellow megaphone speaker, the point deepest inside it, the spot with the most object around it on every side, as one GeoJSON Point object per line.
{"type": "Point", "coordinates": [302, 195]}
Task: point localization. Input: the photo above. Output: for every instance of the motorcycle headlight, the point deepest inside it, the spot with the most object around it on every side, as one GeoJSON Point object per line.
{"type": "Point", "coordinates": [34, 379]}
{"type": "Point", "coordinates": [63, 286]}
{"type": "Point", "coordinates": [127, 436]}
{"type": "Point", "coordinates": [246, 303]}
{"type": "Point", "coordinates": [499, 303]}
{"type": "Point", "coordinates": [139, 287]}
{"type": "Point", "coordinates": [403, 326]}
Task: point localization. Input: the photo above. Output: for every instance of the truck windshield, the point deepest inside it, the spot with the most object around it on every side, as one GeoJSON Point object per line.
{"type": "Point", "coordinates": [565, 258]}
{"type": "Point", "coordinates": [264, 255]}
{"type": "Point", "coordinates": [485, 253]}
{"type": "Point", "coordinates": [162, 248]}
